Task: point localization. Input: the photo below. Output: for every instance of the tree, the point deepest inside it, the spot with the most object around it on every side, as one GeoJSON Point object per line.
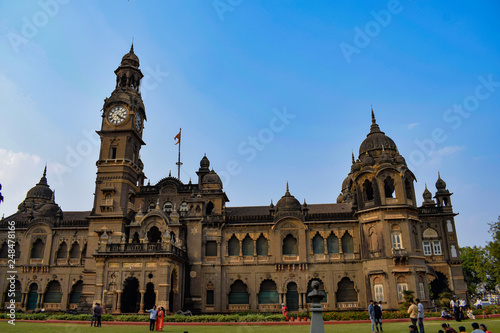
{"type": "Point", "coordinates": [475, 266]}
{"type": "Point", "coordinates": [493, 249]}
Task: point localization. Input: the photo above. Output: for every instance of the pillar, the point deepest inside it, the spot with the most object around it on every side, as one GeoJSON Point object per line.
{"type": "Point", "coordinates": [255, 248]}
{"type": "Point", "coordinates": [301, 306]}
{"type": "Point", "coordinates": [103, 301]}
{"type": "Point", "coordinates": [326, 246]}
{"type": "Point", "coordinates": [118, 302]}
{"type": "Point", "coordinates": [23, 300]}
{"type": "Point", "coordinates": [141, 307]}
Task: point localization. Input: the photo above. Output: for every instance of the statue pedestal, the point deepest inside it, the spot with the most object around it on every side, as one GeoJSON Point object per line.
{"type": "Point", "coordinates": [317, 325]}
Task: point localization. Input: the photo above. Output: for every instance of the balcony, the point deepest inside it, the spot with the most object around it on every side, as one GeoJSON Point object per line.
{"type": "Point", "coordinates": [144, 248]}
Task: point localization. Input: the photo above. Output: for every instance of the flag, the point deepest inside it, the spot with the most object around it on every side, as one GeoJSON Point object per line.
{"type": "Point", "coordinates": [178, 137]}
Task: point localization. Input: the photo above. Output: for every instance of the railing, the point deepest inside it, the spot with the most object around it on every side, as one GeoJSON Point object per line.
{"type": "Point", "coordinates": [145, 248]}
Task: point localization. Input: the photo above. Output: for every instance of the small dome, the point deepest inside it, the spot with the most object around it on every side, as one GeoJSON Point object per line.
{"type": "Point", "coordinates": [288, 203]}
{"type": "Point", "coordinates": [340, 198]}
{"type": "Point", "coordinates": [204, 163]}
{"type": "Point", "coordinates": [427, 195]}
{"type": "Point", "coordinates": [385, 158]}
{"type": "Point", "coordinates": [130, 58]}
{"type": "Point", "coordinates": [440, 184]}
{"type": "Point", "coordinates": [400, 159]}
{"type": "Point", "coordinates": [346, 183]}
{"type": "Point", "coordinates": [376, 140]}
{"type": "Point", "coordinates": [366, 159]}
{"type": "Point", "coordinates": [40, 190]}
{"type": "Point", "coordinates": [212, 178]}
{"type": "Point", "coordinates": [356, 166]}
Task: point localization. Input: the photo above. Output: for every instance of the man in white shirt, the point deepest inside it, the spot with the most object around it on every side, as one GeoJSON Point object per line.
{"type": "Point", "coordinates": [420, 316]}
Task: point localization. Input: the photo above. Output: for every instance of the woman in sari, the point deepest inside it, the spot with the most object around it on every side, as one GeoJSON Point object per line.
{"type": "Point", "coordinates": [159, 320]}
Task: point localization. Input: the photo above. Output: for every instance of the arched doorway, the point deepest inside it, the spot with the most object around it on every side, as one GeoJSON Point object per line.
{"type": "Point", "coordinates": [346, 291]}
{"type": "Point", "coordinates": [268, 293]}
{"type": "Point", "coordinates": [439, 285]}
{"type": "Point", "coordinates": [238, 293]}
{"type": "Point", "coordinates": [149, 296]}
{"type": "Point", "coordinates": [76, 292]}
{"type": "Point", "coordinates": [53, 293]}
{"type": "Point", "coordinates": [130, 297]}
{"type": "Point", "coordinates": [154, 235]}
{"type": "Point", "coordinates": [292, 297]}
{"type": "Point", "coordinates": [32, 297]}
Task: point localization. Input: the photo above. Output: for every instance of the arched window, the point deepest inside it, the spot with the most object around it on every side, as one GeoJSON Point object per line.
{"type": "Point", "coordinates": [84, 251]}
{"type": "Point", "coordinates": [233, 246]}
{"type": "Point", "coordinates": [53, 293]}
{"type": "Point", "coordinates": [184, 207]}
{"type": "Point", "coordinates": [346, 291]}
{"type": "Point", "coordinates": [290, 246]}
{"type": "Point", "coordinates": [332, 242]}
{"type": "Point", "coordinates": [152, 206]}
{"type": "Point", "coordinates": [211, 249]}
{"type": "Point", "coordinates": [368, 190]}
{"type": "Point", "coordinates": [37, 249]}
{"type": "Point", "coordinates": [154, 235]}
{"type": "Point", "coordinates": [247, 245]}
{"type": "Point", "coordinates": [168, 207]}
{"type": "Point", "coordinates": [172, 237]}
{"type": "Point", "coordinates": [318, 244]}
{"type": "Point", "coordinates": [75, 251]}
{"type": "Point", "coordinates": [396, 237]}
{"type": "Point", "coordinates": [62, 253]}
{"type": "Point", "coordinates": [210, 294]}
{"type": "Point", "coordinates": [32, 297]}
{"type": "Point", "coordinates": [210, 208]}
{"type": "Point", "coordinates": [135, 238]}
{"type": "Point", "coordinates": [76, 292]}
{"type": "Point", "coordinates": [268, 293]}
{"type": "Point", "coordinates": [378, 289]}
{"type": "Point", "coordinates": [321, 288]}
{"type": "Point", "coordinates": [408, 189]}
{"type": "Point", "coordinates": [388, 187]}
{"type": "Point", "coordinates": [347, 243]}
{"type": "Point", "coordinates": [262, 246]}
{"type": "Point", "coordinates": [238, 293]}
{"type": "Point", "coordinates": [402, 286]}
{"type": "Point", "coordinates": [4, 252]}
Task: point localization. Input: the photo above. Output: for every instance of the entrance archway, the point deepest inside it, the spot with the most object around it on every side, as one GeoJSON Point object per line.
{"type": "Point", "coordinates": [32, 297]}
{"type": "Point", "coordinates": [439, 285]}
{"type": "Point", "coordinates": [149, 296]}
{"type": "Point", "coordinates": [154, 235]}
{"type": "Point", "coordinates": [292, 297]}
{"type": "Point", "coordinates": [130, 297]}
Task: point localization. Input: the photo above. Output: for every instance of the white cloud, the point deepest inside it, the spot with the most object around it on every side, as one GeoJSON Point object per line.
{"type": "Point", "coordinates": [448, 150]}
{"type": "Point", "coordinates": [18, 173]}
{"type": "Point", "coordinates": [412, 125]}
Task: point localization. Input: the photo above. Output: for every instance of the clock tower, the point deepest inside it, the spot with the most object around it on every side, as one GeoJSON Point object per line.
{"type": "Point", "coordinates": [119, 168]}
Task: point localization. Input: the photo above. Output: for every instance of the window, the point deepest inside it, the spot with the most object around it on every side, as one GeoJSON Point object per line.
{"type": "Point", "coordinates": [268, 293]}
{"type": "Point", "coordinates": [210, 208]}
{"type": "Point", "coordinates": [247, 245]}
{"type": "Point", "coordinates": [422, 290]}
{"type": "Point", "coordinates": [332, 243]}
{"type": "Point", "coordinates": [5, 251]}
{"type": "Point", "coordinates": [262, 246]}
{"type": "Point", "coordinates": [290, 246]}
{"type": "Point", "coordinates": [454, 252]}
{"type": "Point", "coordinates": [437, 247]}
{"type": "Point", "coordinates": [75, 251]}
{"type": "Point", "coordinates": [184, 206]}
{"type": "Point", "coordinates": [427, 248]}
{"type": "Point", "coordinates": [168, 207]}
{"type": "Point", "coordinates": [112, 153]}
{"type": "Point", "coordinates": [233, 246]}
{"type": "Point", "coordinates": [368, 190]}
{"type": "Point", "coordinates": [347, 243]}
{"type": "Point", "coordinates": [388, 187]}
{"type": "Point", "coordinates": [449, 225]}
{"type": "Point", "coordinates": [396, 240]}
{"type": "Point", "coordinates": [318, 244]}
{"type": "Point", "coordinates": [151, 207]}
{"type": "Point", "coordinates": [238, 293]}
{"type": "Point", "coordinates": [346, 291]}
{"type": "Point", "coordinates": [408, 189]}
{"type": "Point", "coordinates": [378, 290]}
{"type": "Point", "coordinates": [211, 249]}
{"type": "Point", "coordinates": [37, 249]}
{"type": "Point", "coordinates": [401, 288]}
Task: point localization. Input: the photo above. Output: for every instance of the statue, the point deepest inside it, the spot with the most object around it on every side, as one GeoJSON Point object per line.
{"type": "Point", "coordinates": [316, 296]}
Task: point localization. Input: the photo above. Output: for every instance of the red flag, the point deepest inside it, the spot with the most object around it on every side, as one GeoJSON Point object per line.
{"type": "Point", "coordinates": [178, 137]}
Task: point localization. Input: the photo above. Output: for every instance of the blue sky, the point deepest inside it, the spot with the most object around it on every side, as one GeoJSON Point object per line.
{"type": "Point", "coordinates": [228, 71]}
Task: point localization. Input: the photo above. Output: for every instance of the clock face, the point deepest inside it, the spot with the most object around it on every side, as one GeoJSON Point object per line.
{"type": "Point", "coordinates": [117, 115]}
{"type": "Point", "coordinates": [138, 121]}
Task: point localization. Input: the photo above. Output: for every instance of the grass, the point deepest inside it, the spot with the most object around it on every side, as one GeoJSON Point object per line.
{"type": "Point", "coordinates": [430, 326]}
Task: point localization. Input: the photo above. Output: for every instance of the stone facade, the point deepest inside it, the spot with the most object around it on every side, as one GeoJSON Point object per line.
{"type": "Point", "coordinates": [178, 245]}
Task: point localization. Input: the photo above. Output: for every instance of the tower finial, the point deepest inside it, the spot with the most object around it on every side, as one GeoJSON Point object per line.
{"type": "Point", "coordinates": [439, 175]}
{"type": "Point", "coordinates": [373, 116]}
{"type": "Point", "coordinates": [287, 191]}
{"type": "Point", "coordinates": [352, 156]}
{"type": "Point", "coordinates": [132, 46]}
{"type": "Point", "coordinates": [45, 170]}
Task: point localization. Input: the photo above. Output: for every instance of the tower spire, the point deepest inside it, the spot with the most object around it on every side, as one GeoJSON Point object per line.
{"type": "Point", "coordinates": [373, 116]}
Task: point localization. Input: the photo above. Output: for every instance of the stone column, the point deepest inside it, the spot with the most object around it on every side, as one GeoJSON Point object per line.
{"type": "Point", "coordinates": [41, 298]}
{"type": "Point", "coordinates": [254, 247]}
{"type": "Point", "coordinates": [141, 307]}
{"type": "Point", "coordinates": [301, 305]}
{"type": "Point", "coordinates": [326, 246]}
{"type": "Point", "coordinates": [241, 248]}
{"type": "Point", "coordinates": [23, 300]}
{"type": "Point", "coordinates": [103, 301]}
{"type": "Point", "coordinates": [118, 302]}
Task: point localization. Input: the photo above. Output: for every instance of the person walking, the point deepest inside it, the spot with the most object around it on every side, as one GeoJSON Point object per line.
{"type": "Point", "coordinates": [92, 320]}
{"type": "Point", "coordinates": [420, 316]}
{"type": "Point", "coordinates": [371, 313]}
{"type": "Point", "coordinates": [378, 316]}
{"type": "Point", "coordinates": [284, 310]}
{"type": "Point", "coordinates": [159, 320]}
{"type": "Point", "coordinates": [153, 314]}
{"type": "Point", "coordinates": [413, 311]}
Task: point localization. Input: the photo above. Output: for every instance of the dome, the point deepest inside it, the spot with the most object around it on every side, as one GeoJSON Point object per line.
{"type": "Point", "coordinates": [440, 184]}
{"type": "Point", "coordinates": [288, 202]}
{"type": "Point", "coordinates": [427, 195]}
{"type": "Point", "coordinates": [204, 163]}
{"type": "Point", "coordinates": [346, 183]}
{"type": "Point", "coordinates": [130, 58]}
{"type": "Point", "coordinates": [400, 159]}
{"type": "Point", "coordinates": [376, 140]}
{"type": "Point", "coordinates": [212, 178]}
{"type": "Point", "coordinates": [40, 190]}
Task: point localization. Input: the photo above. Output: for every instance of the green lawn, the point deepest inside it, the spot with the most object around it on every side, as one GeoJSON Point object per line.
{"type": "Point", "coordinates": [430, 327]}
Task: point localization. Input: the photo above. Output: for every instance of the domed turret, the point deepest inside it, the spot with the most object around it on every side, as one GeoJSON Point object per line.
{"type": "Point", "coordinates": [130, 59]}
{"type": "Point", "coordinates": [204, 163]}
{"type": "Point", "coordinates": [40, 190]}
{"type": "Point", "coordinates": [376, 140]}
{"type": "Point", "coordinates": [288, 202]}
{"type": "Point", "coordinates": [427, 195]}
{"type": "Point", "coordinates": [441, 185]}
{"type": "Point", "coordinates": [212, 178]}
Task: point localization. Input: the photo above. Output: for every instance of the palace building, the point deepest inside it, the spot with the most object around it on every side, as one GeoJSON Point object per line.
{"type": "Point", "coordinates": [179, 246]}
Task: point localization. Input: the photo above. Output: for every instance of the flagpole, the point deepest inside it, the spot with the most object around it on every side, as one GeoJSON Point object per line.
{"type": "Point", "coordinates": [179, 163]}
